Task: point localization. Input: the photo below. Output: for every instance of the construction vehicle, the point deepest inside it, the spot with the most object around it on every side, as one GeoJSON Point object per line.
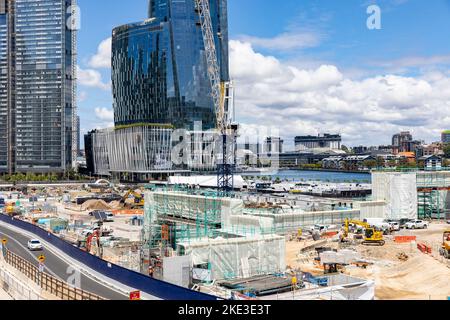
{"type": "Point", "coordinates": [445, 249]}
{"type": "Point", "coordinates": [138, 199]}
{"type": "Point", "coordinates": [371, 235]}
{"type": "Point", "coordinates": [94, 235]}
{"type": "Point", "coordinates": [222, 99]}
{"type": "Point", "coordinates": [11, 209]}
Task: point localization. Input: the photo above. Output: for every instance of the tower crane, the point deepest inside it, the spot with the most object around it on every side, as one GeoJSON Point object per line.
{"type": "Point", "coordinates": [221, 95]}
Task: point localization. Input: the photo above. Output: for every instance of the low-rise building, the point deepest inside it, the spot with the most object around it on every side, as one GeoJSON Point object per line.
{"type": "Point", "coordinates": [355, 162]}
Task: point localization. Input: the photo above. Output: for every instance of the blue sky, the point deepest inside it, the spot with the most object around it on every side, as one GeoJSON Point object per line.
{"type": "Point", "coordinates": [322, 43]}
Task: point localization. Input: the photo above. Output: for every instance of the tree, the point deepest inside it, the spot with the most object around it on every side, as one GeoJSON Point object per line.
{"type": "Point", "coordinates": [369, 164]}
{"type": "Point", "coordinates": [346, 149]}
{"type": "Point", "coordinates": [380, 162]}
{"type": "Point", "coordinates": [447, 150]}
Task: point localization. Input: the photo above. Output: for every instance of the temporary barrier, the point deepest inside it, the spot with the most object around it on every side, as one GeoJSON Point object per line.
{"type": "Point", "coordinates": [405, 239]}
{"type": "Point", "coordinates": [424, 248]}
{"type": "Point", "coordinates": [138, 281]}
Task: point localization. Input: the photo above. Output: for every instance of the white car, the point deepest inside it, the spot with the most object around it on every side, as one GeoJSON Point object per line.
{"type": "Point", "coordinates": [318, 227]}
{"type": "Point", "coordinates": [35, 245]}
{"type": "Point", "coordinates": [395, 226]}
{"type": "Point", "coordinates": [416, 224]}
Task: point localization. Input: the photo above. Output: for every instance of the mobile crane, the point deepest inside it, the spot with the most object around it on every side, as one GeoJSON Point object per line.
{"type": "Point", "coordinates": [221, 94]}
{"type": "Point", "coordinates": [371, 235]}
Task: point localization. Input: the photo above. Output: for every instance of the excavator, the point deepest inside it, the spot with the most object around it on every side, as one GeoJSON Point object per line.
{"type": "Point", "coordinates": [371, 235]}
{"type": "Point", "coordinates": [89, 241]}
{"type": "Point", "coordinates": [138, 199]}
{"type": "Point", "coordinates": [445, 249]}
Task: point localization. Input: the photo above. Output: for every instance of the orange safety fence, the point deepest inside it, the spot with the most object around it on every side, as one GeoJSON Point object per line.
{"type": "Point", "coordinates": [329, 234]}
{"type": "Point", "coordinates": [405, 239]}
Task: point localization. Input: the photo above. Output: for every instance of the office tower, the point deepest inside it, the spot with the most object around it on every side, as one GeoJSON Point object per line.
{"type": "Point", "coordinates": [37, 86]}
{"type": "Point", "coordinates": [159, 72]}
{"type": "Point", "coordinates": [445, 137]}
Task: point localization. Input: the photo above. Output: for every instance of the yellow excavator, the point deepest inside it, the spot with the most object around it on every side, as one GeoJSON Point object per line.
{"type": "Point", "coordinates": [445, 249]}
{"type": "Point", "coordinates": [138, 199]}
{"type": "Point", "coordinates": [371, 235]}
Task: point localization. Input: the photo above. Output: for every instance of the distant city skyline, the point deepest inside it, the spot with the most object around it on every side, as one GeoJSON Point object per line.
{"type": "Point", "coordinates": [315, 68]}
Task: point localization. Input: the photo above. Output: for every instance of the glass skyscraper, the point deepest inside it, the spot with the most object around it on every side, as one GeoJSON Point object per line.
{"type": "Point", "coordinates": [37, 86]}
{"type": "Point", "coordinates": [159, 72]}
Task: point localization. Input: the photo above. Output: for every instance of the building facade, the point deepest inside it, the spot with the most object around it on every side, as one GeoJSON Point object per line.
{"type": "Point", "coordinates": [273, 145]}
{"type": "Point", "coordinates": [159, 71]}
{"type": "Point", "coordinates": [403, 142]}
{"type": "Point", "coordinates": [445, 137]}
{"type": "Point", "coordinates": [160, 83]}
{"type": "Point", "coordinates": [37, 86]}
{"type": "Point", "coordinates": [328, 141]}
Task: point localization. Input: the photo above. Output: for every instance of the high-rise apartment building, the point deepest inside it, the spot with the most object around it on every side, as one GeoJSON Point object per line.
{"type": "Point", "coordinates": [159, 71]}
{"type": "Point", "coordinates": [38, 127]}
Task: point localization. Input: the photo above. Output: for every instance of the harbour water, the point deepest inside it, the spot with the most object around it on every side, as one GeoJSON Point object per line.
{"type": "Point", "coordinates": [324, 176]}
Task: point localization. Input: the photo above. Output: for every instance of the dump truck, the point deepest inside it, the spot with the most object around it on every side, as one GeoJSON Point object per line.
{"type": "Point", "coordinates": [445, 248]}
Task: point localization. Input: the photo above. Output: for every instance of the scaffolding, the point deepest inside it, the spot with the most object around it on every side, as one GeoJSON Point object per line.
{"type": "Point", "coordinates": [180, 214]}
{"type": "Point", "coordinates": [433, 189]}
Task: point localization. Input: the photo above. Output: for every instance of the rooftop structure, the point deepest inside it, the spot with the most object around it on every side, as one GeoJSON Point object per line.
{"type": "Point", "coordinates": [328, 141]}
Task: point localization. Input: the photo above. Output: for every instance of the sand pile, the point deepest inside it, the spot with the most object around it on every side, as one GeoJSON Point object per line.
{"type": "Point", "coordinates": [421, 277]}
{"type": "Point", "coordinates": [95, 205]}
{"type": "Point", "coordinates": [115, 205]}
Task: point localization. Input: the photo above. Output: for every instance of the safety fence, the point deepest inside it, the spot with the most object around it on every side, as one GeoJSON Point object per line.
{"type": "Point", "coordinates": [47, 282]}
{"type": "Point", "coordinates": [155, 288]}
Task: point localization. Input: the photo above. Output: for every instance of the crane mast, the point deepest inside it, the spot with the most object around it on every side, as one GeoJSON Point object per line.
{"type": "Point", "coordinates": [220, 94]}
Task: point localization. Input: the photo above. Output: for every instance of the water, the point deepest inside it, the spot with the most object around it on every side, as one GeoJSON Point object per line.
{"type": "Point", "coordinates": [300, 175]}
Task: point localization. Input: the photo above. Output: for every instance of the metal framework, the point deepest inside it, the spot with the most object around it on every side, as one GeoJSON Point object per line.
{"type": "Point", "coordinates": [211, 60]}
{"type": "Point", "coordinates": [221, 95]}
{"type": "Point", "coordinates": [433, 188]}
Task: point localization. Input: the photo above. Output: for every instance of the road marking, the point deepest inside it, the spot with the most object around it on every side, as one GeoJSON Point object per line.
{"type": "Point", "coordinates": [34, 257]}
{"type": "Point", "coordinates": [68, 261]}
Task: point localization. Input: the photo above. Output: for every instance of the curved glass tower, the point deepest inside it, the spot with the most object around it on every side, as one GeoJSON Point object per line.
{"type": "Point", "coordinates": [159, 73]}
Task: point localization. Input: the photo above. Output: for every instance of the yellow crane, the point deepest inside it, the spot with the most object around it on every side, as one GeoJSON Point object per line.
{"type": "Point", "coordinates": [371, 235]}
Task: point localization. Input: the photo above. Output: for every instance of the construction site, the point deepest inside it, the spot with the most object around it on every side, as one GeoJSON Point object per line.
{"type": "Point", "coordinates": [236, 248]}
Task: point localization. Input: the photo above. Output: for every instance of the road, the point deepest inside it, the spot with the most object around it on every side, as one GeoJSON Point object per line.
{"type": "Point", "coordinates": [54, 265]}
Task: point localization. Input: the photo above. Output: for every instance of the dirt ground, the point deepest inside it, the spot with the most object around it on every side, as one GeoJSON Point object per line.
{"type": "Point", "coordinates": [421, 276]}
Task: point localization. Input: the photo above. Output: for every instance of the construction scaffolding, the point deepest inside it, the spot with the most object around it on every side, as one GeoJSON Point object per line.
{"type": "Point", "coordinates": [433, 194]}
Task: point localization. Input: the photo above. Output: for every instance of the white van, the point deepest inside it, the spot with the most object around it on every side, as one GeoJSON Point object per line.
{"type": "Point", "coordinates": [379, 223]}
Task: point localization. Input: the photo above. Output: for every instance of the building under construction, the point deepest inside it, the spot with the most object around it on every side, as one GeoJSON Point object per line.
{"type": "Point", "coordinates": [223, 238]}
{"type": "Point", "coordinates": [412, 194]}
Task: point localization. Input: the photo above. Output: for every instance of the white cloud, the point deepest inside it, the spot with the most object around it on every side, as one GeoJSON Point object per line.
{"type": "Point", "coordinates": [102, 59]}
{"type": "Point", "coordinates": [270, 93]}
{"type": "Point", "coordinates": [82, 95]}
{"type": "Point", "coordinates": [286, 41]}
{"type": "Point", "coordinates": [104, 114]}
{"type": "Point", "coordinates": [91, 78]}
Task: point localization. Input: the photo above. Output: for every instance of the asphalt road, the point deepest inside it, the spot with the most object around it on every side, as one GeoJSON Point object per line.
{"type": "Point", "coordinates": [57, 267]}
